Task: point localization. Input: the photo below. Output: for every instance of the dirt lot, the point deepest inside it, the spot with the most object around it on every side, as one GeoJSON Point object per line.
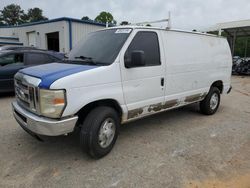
{"type": "Point", "coordinates": [179, 148]}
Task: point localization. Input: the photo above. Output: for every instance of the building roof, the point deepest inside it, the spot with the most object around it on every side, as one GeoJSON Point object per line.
{"type": "Point", "coordinates": [241, 27]}
{"type": "Point", "coordinates": [233, 24]}
{"type": "Point", "coordinates": [57, 20]}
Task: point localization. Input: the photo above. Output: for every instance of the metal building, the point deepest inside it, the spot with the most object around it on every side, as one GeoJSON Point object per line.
{"type": "Point", "coordinates": [59, 34]}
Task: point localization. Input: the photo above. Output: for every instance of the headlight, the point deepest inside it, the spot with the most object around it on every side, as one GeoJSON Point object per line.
{"type": "Point", "coordinates": [52, 102]}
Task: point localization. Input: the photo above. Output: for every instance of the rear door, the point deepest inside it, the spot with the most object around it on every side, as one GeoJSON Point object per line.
{"type": "Point", "coordinates": [143, 86]}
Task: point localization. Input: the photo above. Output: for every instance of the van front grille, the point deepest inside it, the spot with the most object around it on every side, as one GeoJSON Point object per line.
{"type": "Point", "coordinates": [26, 95]}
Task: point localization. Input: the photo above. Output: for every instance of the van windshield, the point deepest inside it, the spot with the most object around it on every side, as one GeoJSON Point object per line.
{"type": "Point", "coordinates": [100, 48]}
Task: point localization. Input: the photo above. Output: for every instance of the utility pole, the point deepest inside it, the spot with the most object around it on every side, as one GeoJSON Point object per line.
{"type": "Point", "coordinates": [107, 23]}
{"type": "Point", "coordinates": [246, 48]}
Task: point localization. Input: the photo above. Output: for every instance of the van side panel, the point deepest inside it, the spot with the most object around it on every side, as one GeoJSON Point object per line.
{"type": "Point", "coordinates": [194, 62]}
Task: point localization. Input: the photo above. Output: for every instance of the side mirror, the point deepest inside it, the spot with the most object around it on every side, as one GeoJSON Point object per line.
{"type": "Point", "coordinates": [137, 59]}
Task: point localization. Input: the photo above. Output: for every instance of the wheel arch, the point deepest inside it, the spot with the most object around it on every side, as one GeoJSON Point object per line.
{"type": "Point", "coordinates": [83, 112]}
{"type": "Point", "coordinates": [218, 84]}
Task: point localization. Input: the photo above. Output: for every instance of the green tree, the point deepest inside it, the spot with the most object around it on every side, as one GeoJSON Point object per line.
{"type": "Point", "coordinates": [85, 18]}
{"type": "Point", "coordinates": [105, 17]}
{"type": "Point", "coordinates": [34, 15]}
{"type": "Point", "coordinates": [242, 45]}
{"type": "Point", "coordinates": [12, 14]}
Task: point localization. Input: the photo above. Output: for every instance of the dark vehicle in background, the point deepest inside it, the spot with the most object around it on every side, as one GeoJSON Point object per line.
{"type": "Point", "coordinates": [11, 61]}
{"type": "Point", "coordinates": [12, 47]}
{"type": "Point", "coordinates": [15, 47]}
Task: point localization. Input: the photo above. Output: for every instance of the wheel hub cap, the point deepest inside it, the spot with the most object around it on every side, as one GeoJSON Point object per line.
{"type": "Point", "coordinates": [214, 101]}
{"type": "Point", "coordinates": [106, 133]}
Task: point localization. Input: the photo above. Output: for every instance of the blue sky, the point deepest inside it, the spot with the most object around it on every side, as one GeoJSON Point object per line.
{"type": "Point", "coordinates": [186, 14]}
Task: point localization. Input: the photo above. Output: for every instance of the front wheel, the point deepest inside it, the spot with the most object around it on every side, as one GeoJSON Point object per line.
{"type": "Point", "coordinates": [211, 102]}
{"type": "Point", "coordinates": [99, 131]}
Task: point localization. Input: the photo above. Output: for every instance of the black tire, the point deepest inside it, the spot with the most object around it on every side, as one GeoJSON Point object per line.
{"type": "Point", "coordinates": [205, 107]}
{"type": "Point", "coordinates": [89, 134]}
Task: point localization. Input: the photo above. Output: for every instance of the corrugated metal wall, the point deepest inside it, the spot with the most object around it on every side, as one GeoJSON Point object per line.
{"type": "Point", "coordinates": [7, 32]}
{"type": "Point", "coordinates": [79, 31]}
{"type": "Point", "coordinates": [40, 31]}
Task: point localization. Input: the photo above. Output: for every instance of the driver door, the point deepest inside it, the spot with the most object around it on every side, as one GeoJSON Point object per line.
{"type": "Point", "coordinates": [143, 86]}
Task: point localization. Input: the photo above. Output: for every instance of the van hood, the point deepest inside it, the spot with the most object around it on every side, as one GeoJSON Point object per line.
{"type": "Point", "coordinates": [49, 73]}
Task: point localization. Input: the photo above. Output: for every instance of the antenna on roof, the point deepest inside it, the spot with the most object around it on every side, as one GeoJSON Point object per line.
{"type": "Point", "coordinates": [157, 21]}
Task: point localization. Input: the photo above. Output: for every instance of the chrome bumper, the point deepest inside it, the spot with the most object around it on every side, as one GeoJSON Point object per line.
{"type": "Point", "coordinates": [41, 125]}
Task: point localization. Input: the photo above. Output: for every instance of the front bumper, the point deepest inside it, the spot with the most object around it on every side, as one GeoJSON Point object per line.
{"type": "Point", "coordinates": [41, 125]}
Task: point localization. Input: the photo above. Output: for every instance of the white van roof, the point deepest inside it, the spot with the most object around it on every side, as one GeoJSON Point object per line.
{"type": "Point", "coordinates": [158, 28]}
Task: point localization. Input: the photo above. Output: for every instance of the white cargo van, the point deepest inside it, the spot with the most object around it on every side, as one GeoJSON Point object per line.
{"type": "Point", "coordinates": [121, 74]}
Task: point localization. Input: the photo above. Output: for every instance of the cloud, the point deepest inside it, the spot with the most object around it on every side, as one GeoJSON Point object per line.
{"type": "Point", "coordinates": [186, 14]}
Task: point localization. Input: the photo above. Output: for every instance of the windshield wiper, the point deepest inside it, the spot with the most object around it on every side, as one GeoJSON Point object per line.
{"type": "Point", "coordinates": [88, 60]}
{"type": "Point", "coordinates": [84, 60]}
{"type": "Point", "coordinates": [83, 57]}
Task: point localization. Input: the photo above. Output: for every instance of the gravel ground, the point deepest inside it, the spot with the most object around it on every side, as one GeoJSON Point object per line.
{"type": "Point", "coordinates": [179, 148]}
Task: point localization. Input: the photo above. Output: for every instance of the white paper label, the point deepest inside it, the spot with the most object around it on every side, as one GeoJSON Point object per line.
{"type": "Point", "coordinates": [123, 31]}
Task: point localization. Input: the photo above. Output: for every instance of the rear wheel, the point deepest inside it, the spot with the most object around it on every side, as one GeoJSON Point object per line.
{"type": "Point", "coordinates": [211, 102]}
{"type": "Point", "coordinates": [99, 131]}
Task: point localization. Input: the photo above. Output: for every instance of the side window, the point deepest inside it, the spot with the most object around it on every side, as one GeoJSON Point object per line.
{"type": "Point", "coordinates": [53, 59]}
{"type": "Point", "coordinates": [49, 59]}
{"type": "Point", "coordinates": [10, 59]}
{"type": "Point", "coordinates": [146, 41]}
{"type": "Point", "coordinates": [36, 59]}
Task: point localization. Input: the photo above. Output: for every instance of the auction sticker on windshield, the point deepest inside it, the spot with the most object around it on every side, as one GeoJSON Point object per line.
{"type": "Point", "coordinates": [123, 31]}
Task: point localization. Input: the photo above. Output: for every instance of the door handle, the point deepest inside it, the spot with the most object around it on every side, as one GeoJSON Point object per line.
{"type": "Point", "coordinates": [162, 81]}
